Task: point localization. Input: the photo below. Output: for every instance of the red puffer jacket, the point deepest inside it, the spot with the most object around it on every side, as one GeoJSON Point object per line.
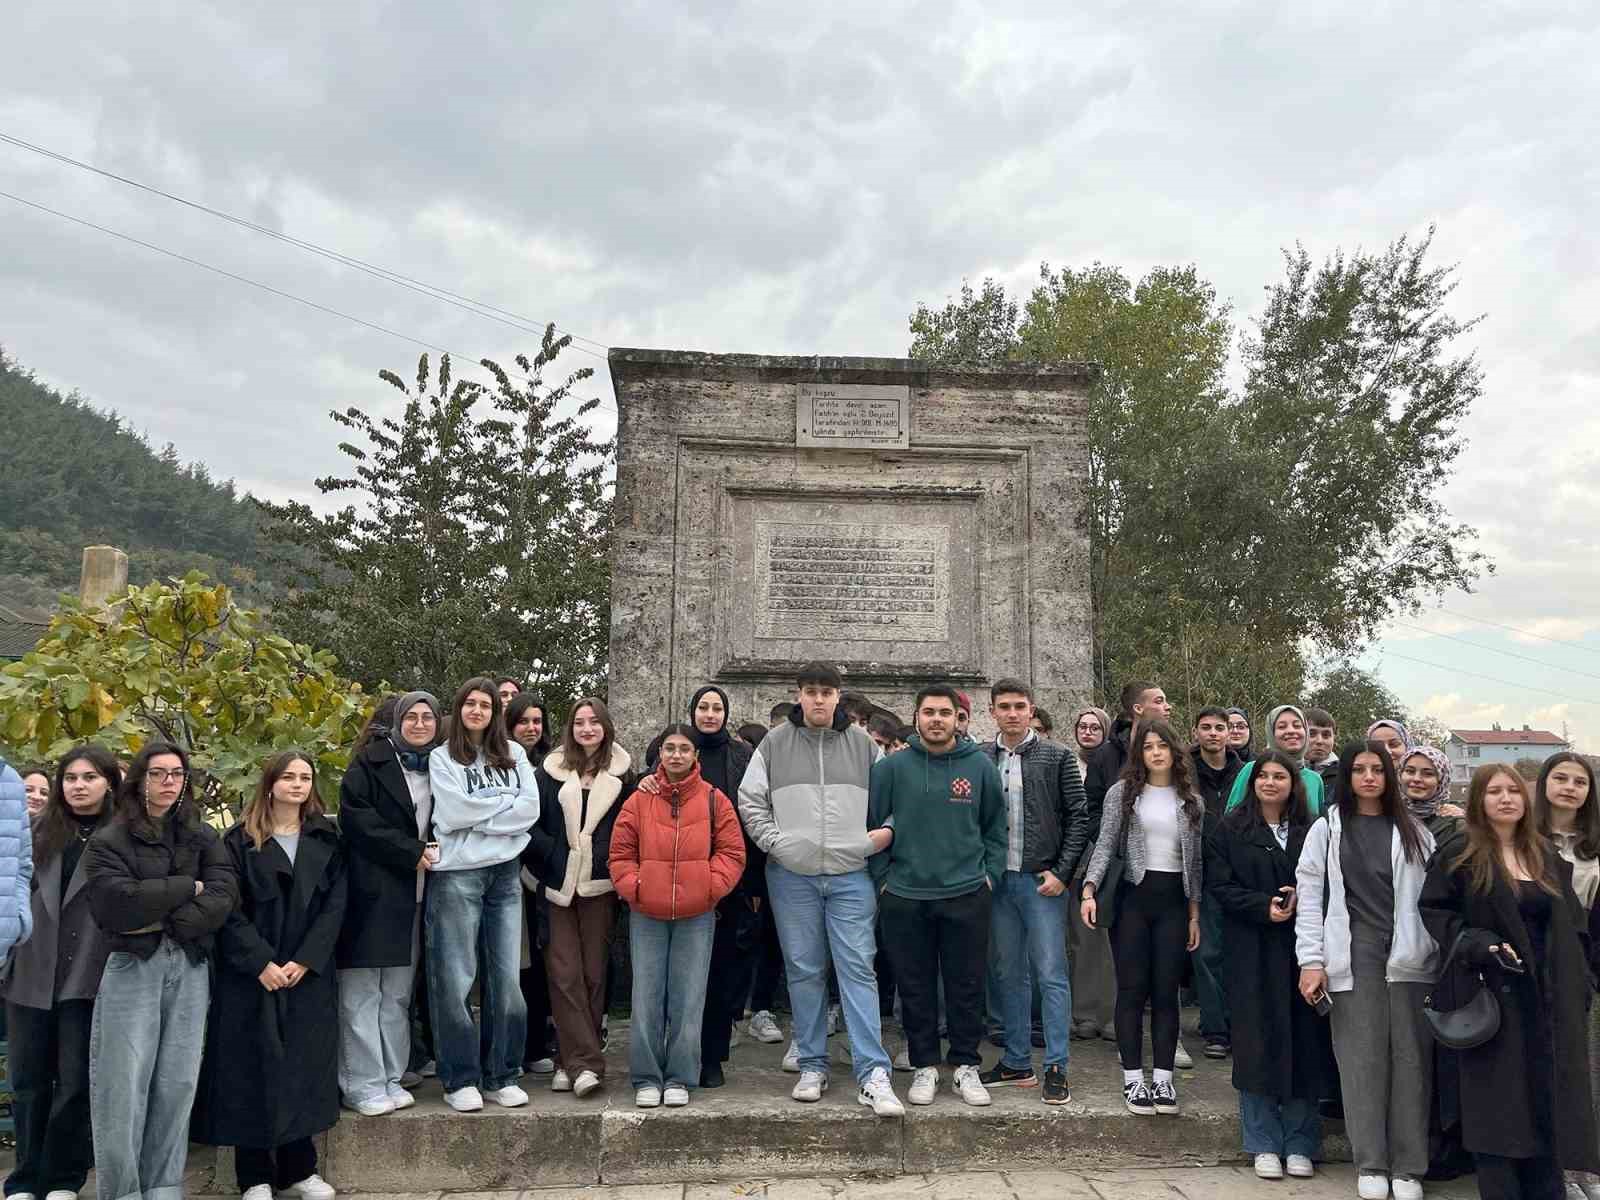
{"type": "Point", "coordinates": [670, 858]}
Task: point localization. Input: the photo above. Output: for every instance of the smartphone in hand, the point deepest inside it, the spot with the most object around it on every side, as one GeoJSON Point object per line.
{"type": "Point", "coordinates": [1322, 1002]}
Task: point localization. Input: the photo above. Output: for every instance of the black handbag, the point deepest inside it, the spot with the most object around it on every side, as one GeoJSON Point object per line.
{"type": "Point", "coordinates": [1109, 894]}
{"type": "Point", "coordinates": [1471, 1025]}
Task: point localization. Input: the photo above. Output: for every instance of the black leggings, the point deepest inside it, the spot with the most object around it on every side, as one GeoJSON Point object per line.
{"type": "Point", "coordinates": [1150, 946]}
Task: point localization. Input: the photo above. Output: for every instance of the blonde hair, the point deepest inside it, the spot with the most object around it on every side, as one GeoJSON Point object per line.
{"type": "Point", "coordinates": [257, 818]}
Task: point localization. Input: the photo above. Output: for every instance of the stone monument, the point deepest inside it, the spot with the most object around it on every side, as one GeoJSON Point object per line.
{"type": "Point", "coordinates": [908, 522]}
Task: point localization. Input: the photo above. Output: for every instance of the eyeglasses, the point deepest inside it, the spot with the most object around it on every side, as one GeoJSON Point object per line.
{"type": "Point", "coordinates": [1088, 725]}
{"type": "Point", "coordinates": [165, 775]}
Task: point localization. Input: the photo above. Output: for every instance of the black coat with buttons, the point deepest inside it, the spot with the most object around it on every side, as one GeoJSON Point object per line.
{"type": "Point", "coordinates": [271, 1069]}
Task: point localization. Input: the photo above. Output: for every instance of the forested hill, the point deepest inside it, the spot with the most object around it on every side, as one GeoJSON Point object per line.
{"type": "Point", "coordinates": [72, 475]}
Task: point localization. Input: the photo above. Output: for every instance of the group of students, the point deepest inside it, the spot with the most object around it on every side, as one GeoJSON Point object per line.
{"type": "Point", "coordinates": [164, 980]}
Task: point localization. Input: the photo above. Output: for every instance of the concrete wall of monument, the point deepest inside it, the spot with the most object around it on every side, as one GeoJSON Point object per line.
{"type": "Point", "coordinates": [739, 554]}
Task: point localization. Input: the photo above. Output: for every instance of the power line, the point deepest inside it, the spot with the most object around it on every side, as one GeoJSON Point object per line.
{"type": "Point", "coordinates": [460, 356]}
{"type": "Point", "coordinates": [1567, 642]}
{"type": "Point", "coordinates": [433, 291]}
{"type": "Point", "coordinates": [1495, 650]}
{"type": "Point", "coordinates": [1491, 678]}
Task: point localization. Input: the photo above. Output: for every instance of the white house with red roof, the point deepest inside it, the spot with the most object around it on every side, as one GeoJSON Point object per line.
{"type": "Point", "coordinates": [1469, 749]}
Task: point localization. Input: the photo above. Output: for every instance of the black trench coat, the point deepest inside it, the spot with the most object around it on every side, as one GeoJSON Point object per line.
{"type": "Point", "coordinates": [271, 1068]}
{"type": "Point", "coordinates": [1281, 1047]}
{"type": "Point", "coordinates": [379, 824]}
{"type": "Point", "coordinates": [1529, 1084]}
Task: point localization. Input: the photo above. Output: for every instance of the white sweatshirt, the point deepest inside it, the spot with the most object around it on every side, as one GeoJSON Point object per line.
{"type": "Point", "coordinates": [481, 815]}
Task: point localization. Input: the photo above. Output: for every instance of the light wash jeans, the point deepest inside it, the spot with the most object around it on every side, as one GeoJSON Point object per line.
{"type": "Point", "coordinates": [1274, 1126]}
{"type": "Point", "coordinates": [816, 913]}
{"type": "Point", "coordinates": [1029, 932]}
{"type": "Point", "coordinates": [670, 962]}
{"type": "Point", "coordinates": [473, 913]}
{"type": "Point", "coordinates": [375, 1027]}
{"type": "Point", "coordinates": [144, 1069]}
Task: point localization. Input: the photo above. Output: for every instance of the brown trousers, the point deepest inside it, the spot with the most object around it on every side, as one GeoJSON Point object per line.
{"type": "Point", "coordinates": [575, 960]}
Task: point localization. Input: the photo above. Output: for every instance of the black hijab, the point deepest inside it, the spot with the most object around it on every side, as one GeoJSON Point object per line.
{"type": "Point", "coordinates": [713, 747]}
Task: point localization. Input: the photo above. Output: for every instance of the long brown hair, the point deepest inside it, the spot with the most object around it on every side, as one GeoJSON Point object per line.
{"type": "Point", "coordinates": [130, 807]}
{"type": "Point", "coordinates": [1588, 822]}
{"type": "Point", "coordinates": [1136, 777]}
{"type": "Point", "coordinates": [1395, 809]}
{"type": "Point", "coordinates": [257, 818]}
{"type": "Point", "coordinates": [55, 825]}
{"type": "Point", "coordinates": [1482, 855]}
{"type": "Point", "coordinates": [381, 722]}
{"type": "Point", "coordinates": [494, 746]}
{"type": "Point", "coordinates": [575, 756]}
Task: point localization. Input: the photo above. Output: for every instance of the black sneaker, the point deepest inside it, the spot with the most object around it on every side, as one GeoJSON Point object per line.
{"type": "Point", "coordinates": [1165, 1098]}
{"type": "Point", "coordinates": [711, 1076]}
{"type": "Point", "coordinates": [1137, 1097]}
{"type": "Point", "coordinates": [1217, 1047]}
{"type": "Point", "coordinates": [1056, 1090]}
{"type": "Point", "coordinates": [1001, 1075]}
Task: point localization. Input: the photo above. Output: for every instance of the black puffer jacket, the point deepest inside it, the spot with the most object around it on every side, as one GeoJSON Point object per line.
{"type": "Point", "coordinates": [1055, 812]}
{"type": "Point", "coordinates": [1103, 767]}
{"type": "Point", "coordinates": [140, 876]}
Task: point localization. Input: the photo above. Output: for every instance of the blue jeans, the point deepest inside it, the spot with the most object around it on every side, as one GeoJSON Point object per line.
{"type": "Point", "coordinates": [144, 1069]}
{"type": "Point", "coordinates": [670, 962]}
{"type": "Point", "coordinates": [1274, 1126]}
{"type": "Point", "coordinates": [1208, 980]}
{"type": "Point", "coordinates": [816, 913]}
{"type": "Point", "coordinates": [473, 912]}
{"type": "Point", "coordinates": [1030, 939]}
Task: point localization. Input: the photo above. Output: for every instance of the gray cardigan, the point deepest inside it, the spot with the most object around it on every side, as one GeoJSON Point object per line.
{"type": "Point", "coordinates": [66, 955]}
{"type": "Point", "coordinates": [1133, 851]}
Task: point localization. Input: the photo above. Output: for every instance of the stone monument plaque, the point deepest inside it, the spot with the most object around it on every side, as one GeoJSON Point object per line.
{"type": "Point", "coordinates": [852, 415]}
{"type": "Point", "coordinates": [910, 523]}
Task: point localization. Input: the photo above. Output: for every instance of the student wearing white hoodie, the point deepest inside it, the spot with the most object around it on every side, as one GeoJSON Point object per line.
{"type": "Point", "coordinates": [1359, 938]}
{"type": "Point", "coordinates": [484, 802]}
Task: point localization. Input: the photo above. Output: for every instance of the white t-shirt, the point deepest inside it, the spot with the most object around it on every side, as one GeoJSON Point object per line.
{"type": "Point", "coordinates": [1158, 813]}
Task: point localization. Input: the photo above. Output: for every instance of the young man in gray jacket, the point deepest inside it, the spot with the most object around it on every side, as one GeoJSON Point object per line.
{"type": "Point", "coordinates": [1047, 820]}
{"type": "Point", "coordinates": [803, 800]}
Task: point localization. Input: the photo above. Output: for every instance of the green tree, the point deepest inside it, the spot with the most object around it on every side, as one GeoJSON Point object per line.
{"type": "Point", "coordinates": [977, 328]}
{"type": "Point", "coordinates": [1356, 698]}
{"type": "Point", "coordinates": [182, 662]}
{"type": "Point", "coordinates": [480, 541]}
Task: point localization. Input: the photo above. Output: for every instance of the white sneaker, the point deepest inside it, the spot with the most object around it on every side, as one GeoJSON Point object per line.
{"type": "Point", "coordinates": [1268, 1166]}
{"type": "Point", "coordinates": [560, 1081]}
{"type": "Point", "coordinates": [400, 1098]}
{"type": "Point", "coordinates": [791, 1058]}
{"type": "Point", "coordinates": [1181, 1059]}
{"type": "Point", "coordinates": [1372, 1187]}
{"type": "Point", "coordinates": [428, 1069]}
{"type": "Point", "coordinates": [1300, 1167]}
{"type": "Point", "coordinates": [649, 1096]}
{"type": "Point", "coordinates": [312, 1187]}
{"type": "Point", "coordinates": [877, 1093]}
{"type": "Point", "coordinates": [676, 1095]}
{"type": "Point", "coordinates": [261, 1191]}
{"type": "Point", "coordinates": [467, 1099]}
{"type": "Point", "coordinates": [924, 1085]}
{"type": "Point", "coordinates": [835, 1019]}
{"type": "Point", "coordinates": [63, 1194]}
{"type": "Point", "coordinates": [765, 1029]}
{"type": "Point", "coordinates": [902, 1061]}
{"type": "Point", "coordinates": [1406, 1189]}
{"type": "Point", "coordinates": [378, 1106]}
{"type": "Point", "coordinates": [542, 1066]}
{"type": "Point", "coordinates": [510, 1096]}
{"type": "Point", "coordinates": [810, 1088]}
{"type": "Point", "coordinates": [586, 1082]}
{"type": "Point", "coordinates": [969, 1087]}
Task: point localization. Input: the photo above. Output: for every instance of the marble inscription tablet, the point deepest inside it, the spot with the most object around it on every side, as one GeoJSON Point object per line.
{"type": "Point", "coordinates": [853, 416]}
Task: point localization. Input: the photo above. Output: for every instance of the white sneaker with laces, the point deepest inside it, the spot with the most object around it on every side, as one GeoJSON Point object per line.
{"type": "Point", "coordinates": [63, 1194]}
{"type": "Point", "coordinates": [1406, 1189]}
{"type": "Point", "coordinates": [1372, 1187]}
{"type": "Point", "coordinates": [586, 1082]}
{"type": "Point", "coordinates": [1300, 1167]}
{"type": "Point", "coordinates": [969, 1087]}
{"type": "Point", "coordinates": [765, 1029]}
{"type": "Point", "coordinates": [924, 1085]}
{"type": "Point", "coordinates": [560, 1081]}
{"type": "Point", "coordinates": [649, 1096]}
{"type": "Point", "coordinates": [542, 1066]}
{"type": "Point", "coordinates": [312, 1187]}
{"type": "Point", "coordinates": [401, 1098]}
{"type": "Point", "coordinates": [467, 1099]}
{"type": "Point", "coordinates": [261, 1191]}
{"type": "Point", "coordinates": [791, 1058]}
{"type": "Point", "coordinates": [378, 1106]}
{"type": "Point", "coordinates": [877, 1093]}
{"type": "Point", "coordinates": [810, 1087]}
{"type": "Point", "coordinates": [1268, 1166]}
{"type": "Point", "coordinates": [1181, 1059]}
{"type": "Point", "coordinates": [676, 1095]}
{"type": "Point", "coordinates": [510, 1096]}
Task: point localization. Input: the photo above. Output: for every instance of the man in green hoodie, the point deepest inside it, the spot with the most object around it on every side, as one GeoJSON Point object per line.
{"type": "Point", "coordinates": [936, 880]}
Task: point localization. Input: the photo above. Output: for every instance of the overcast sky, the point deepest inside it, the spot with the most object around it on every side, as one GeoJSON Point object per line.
{"type": "Point", "coordinates": [793, 179]}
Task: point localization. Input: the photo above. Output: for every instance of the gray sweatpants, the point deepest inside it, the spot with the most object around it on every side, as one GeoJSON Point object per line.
{"type": "Point", "coordinates": [1385, 1055]}
{"type": "Point", "coordinates": [144, 1068]}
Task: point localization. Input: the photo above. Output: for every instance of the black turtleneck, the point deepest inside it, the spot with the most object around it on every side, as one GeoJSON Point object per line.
{"type": "Point", "coordinates": [83, 828]}
{"type": "Point", "coordinates": [714, 763]}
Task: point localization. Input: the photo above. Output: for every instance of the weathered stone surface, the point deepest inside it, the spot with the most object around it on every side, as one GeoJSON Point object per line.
{"type": "Point", "coordinates": [742, 552]}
